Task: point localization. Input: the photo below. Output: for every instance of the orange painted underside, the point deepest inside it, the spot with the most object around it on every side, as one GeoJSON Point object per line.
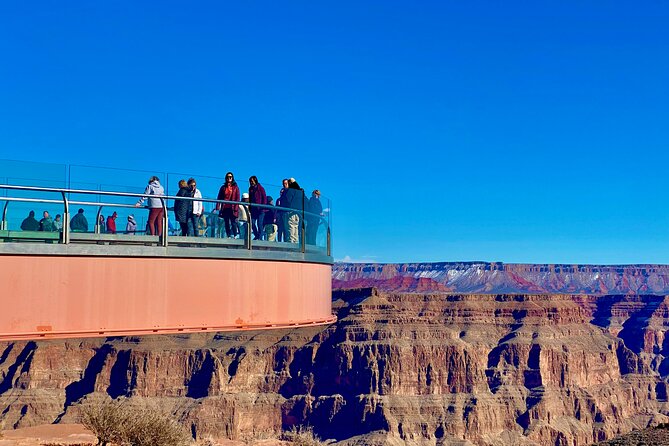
{"type": "Point", "coordinates": [60, 297]}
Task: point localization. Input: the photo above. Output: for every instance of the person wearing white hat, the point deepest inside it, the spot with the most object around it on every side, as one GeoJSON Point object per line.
{"type": "Point", "coordinates": [243, 217]}
{"type": "Point", "coordinates": [131, 227]}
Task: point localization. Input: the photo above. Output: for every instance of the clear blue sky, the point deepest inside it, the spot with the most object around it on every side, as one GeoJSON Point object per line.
{"type": "Point", "coordinates": [443, 131]}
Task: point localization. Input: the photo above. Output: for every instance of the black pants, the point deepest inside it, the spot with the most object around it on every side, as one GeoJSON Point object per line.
{"type": "Point", "coordinates": [231, 228]}
{"type": "Point", "coordinates": [312, 231]}
{"type": "Point", "coordinates": [280, 227]}
{"type": "Point", "coordinates": [184, 228]}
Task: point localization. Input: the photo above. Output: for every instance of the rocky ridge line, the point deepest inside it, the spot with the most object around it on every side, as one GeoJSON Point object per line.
{"type": "Point", "coordinates": [494, 278]}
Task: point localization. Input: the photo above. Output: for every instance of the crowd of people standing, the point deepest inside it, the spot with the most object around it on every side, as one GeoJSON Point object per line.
{"type": "Point", "coordinates": [266, 219]}
{"type": "Point", "coordinates": [280, 221]}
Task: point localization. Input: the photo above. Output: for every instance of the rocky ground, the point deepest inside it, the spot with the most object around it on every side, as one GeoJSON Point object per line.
{"type": "Point", "coordinates": [646, 437]}
{"type": "Point", "coordinates": [397, 368]}
{"type": "Point", "coordinates": [77, 435]}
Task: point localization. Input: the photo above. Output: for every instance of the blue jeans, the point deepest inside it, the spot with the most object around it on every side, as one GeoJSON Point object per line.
{"type": "Point", "coordinates": [194, 221]}
{"type": "Point", "coordinates": [257, 225]}
{"type": "Point", "coordinates": [243, 227]}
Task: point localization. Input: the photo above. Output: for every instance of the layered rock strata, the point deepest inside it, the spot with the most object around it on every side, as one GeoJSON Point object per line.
{"type": "Point", "coordinates": [497, 277]}
{"type": "Point", "coordinates": [397, 368]}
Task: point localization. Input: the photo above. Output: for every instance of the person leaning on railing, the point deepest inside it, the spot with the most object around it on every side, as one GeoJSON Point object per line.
{"type": "Point", "coordinates": [155, 222]}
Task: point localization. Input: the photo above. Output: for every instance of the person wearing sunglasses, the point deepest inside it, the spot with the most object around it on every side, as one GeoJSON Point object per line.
{"type": "Point", "coordinates": [229, 191]}
{"type": "Point", "coordinates": [195, 209]}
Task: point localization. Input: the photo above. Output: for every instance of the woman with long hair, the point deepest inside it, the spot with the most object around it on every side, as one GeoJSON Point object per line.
{"type": "Point", "coordinates": [257, 195]}
{"type": "Point", "coordinates": [229, 191]}
{"type": "Point", "coordinates": [181, 207]}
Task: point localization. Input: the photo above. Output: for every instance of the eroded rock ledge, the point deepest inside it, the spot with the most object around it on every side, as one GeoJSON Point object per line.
{"type": "Point", "coordinates": [396, 368]}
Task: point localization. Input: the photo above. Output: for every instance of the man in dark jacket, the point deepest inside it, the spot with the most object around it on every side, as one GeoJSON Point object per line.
{"type": "Point", "coordinates": [293, 198]}
{"type": "Point", "coordinates": [269, 221]}
{"type": "Point", "coordinates": [314, 210]}
{"type": "Point", "coordinates": [79, 222]}
{"type": "Point", "coordinates": [30, 223]}
{"type": "Point", "coordinates": [46, 223]}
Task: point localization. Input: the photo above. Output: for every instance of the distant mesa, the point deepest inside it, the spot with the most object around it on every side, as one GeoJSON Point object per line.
{"type": "Point", "coordinates": [497, 277]}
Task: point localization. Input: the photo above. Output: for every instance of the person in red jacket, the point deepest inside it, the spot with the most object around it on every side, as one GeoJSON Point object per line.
{"type": "Point", "coordinates": [229, 191]}
{"type": "Point", "coordinates": [111, 223]}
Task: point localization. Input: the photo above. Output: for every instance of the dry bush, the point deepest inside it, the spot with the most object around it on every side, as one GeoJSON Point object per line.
{"type": "Point", "coordinates": [153, 428]}
{"type": "Point", "coordinates": [125, 425]}
{"type": "Point", "coordinates": [66, 444]}
{"type": "Point", "coordinates": [207, 441]}
{"type": "Point", "coordinates": [252, 437]}
{"type": "Point", "coordinates": [302, 436]}
{"type": "Point", "coordinates": [107, 419]}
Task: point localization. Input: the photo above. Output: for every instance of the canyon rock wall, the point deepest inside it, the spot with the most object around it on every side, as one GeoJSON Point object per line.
{"type": "Point", "coordinates": [486, 277]}
{"type": "Point", "coordinates": [397, 368]}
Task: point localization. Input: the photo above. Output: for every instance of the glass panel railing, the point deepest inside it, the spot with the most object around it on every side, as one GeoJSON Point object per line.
{"type": "Point", "coordinates": [304, 227]}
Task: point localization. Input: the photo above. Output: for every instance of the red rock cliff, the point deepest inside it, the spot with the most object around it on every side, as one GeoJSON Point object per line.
{"type": "Point", "coordinates": [396, 368]}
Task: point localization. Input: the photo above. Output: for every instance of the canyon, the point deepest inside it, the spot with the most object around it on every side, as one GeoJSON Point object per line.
{"type": "Point", "coordinates": [497, 277]}
{"type": "Point", "coordinates": [414, 363]}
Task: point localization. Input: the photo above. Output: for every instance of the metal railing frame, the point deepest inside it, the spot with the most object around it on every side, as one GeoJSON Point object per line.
{"type": "Point", "coordinates": [163, 241]}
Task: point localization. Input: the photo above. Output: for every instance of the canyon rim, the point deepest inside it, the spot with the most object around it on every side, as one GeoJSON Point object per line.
{"type": "Point", "coordinates": [412, 359]}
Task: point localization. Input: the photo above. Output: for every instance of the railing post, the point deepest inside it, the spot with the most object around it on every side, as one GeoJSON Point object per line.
{"type": "Point", "coordinates": [249, 226]}
{"type": "Point", "coordinates": [303, 238]}
{"type": "Point", "coordinates": [329, 242]}
{"type": "Point", "coordinates": [166, 227]}
{"type": "Point", "coordinates": [66, 220]}
{"type": "Point", "coordinates": [5, 225]}
{"type": "Point", "coordinates": [96, 228]}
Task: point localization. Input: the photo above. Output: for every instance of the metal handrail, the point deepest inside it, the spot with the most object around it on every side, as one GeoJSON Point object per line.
{"type": "Point", "coordinates": [66, 202]}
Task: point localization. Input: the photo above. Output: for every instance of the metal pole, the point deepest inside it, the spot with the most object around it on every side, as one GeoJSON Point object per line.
{"type": "Point", "coordinates": [303, 239]}
{"type": "Point", "coordinates": [247, 209]}
{"type": "Point", "coordinates": [97, 221]}
{"type": "Point", "coordinates": [5, 225]}
{"type": "Point", "coordinates": [66, 219]}
{"type": "Point", "coordinates": [329, 242]}
{"type": "Point", "coordinates": [163, 242]}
